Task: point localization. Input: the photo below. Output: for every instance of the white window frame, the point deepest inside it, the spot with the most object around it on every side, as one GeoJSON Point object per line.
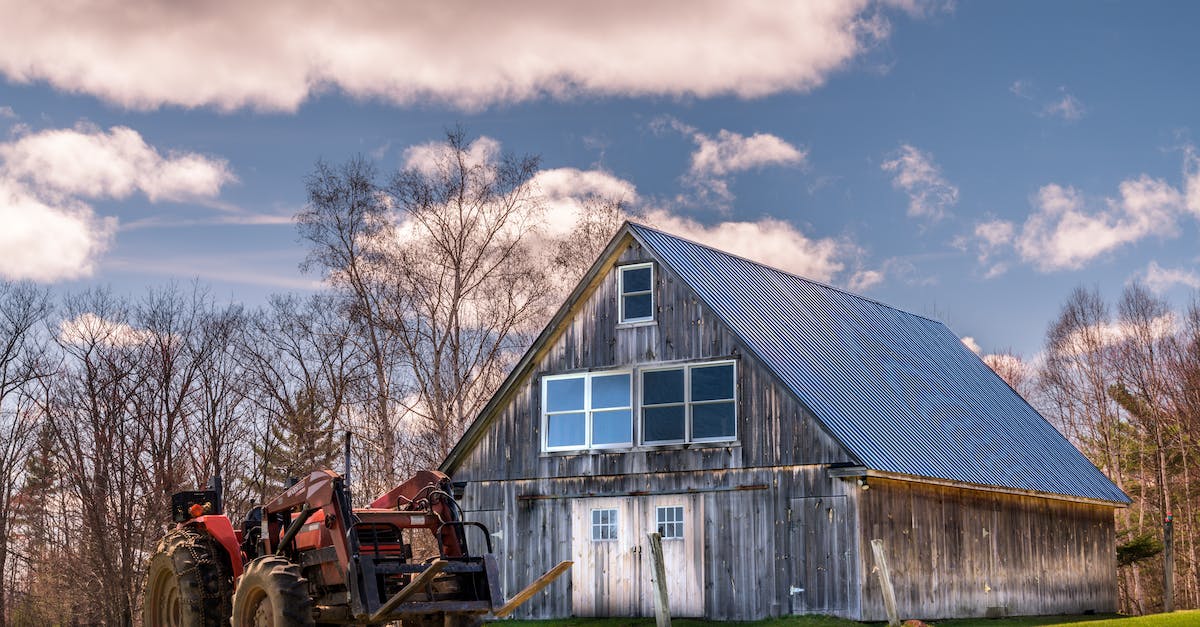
{"type": "Point", "coordinates": [621, 319]}
{"type": "Point", "coordinates": [614, 524]}
{"type": "Point", "coordinates": [658, 521]}
{"type": "Point", "coordinates": [587, 411]}
{"type": "Point", "coordinates": [688, 403]}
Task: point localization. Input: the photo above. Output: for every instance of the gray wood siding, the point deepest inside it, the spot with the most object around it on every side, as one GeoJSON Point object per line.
{"type": "Point", "coordinates": [749, 535]}
{"type": "Point", "coordinates": [956, 552]}
{"type": "Point", "coordinates": [773, 427]}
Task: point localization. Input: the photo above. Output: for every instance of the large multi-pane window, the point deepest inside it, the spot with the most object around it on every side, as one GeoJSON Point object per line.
{"type": "Point", "coordinates": [693, 403]}
{"type": "Point", "coordinates": [637, 293]}
{"type": "Point", "coordinates": [589, 410]}
{"type": "Point", "coordinates": [679, 404]}
{"type": "Point", "coordinates": [689, 404]}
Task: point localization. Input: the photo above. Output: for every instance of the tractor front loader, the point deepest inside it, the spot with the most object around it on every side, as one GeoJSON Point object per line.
{"type": "Point", "coordinates": [307, 558]}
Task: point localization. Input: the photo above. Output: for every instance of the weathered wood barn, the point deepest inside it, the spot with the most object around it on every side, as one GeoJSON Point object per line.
{"type": "Point", "coordinates": [770, 428]}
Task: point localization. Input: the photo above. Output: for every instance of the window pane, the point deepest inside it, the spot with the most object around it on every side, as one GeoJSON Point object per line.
{"type": "Point", "coordinates": [604, 524]}
{"type": "Point", "coordinates": [612, 427]}
{"type": "Point", "coordinates": [610, 391]}
{"type": "Point", "coordinates": [662, 386]}
{"type": "Point", "coordinates": [639, 306]}
{"type": "Point", "coordinates": [564, 394]}
{"type": "Point", "coordinates": [565, 430]}
{"type": "Point", "coordinates": [670, 522]}
{"type": "Point", "coordinates": [710, 383]}
{"type": "Point", "coordinates": [712, 420]}
{"type": "Point", "coordinates": [636, 280]}
{"type": "Point", "coordinates": [662, 423]}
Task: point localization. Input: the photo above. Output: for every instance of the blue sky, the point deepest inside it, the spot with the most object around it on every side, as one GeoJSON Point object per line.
{"type": "Point", "coordinates": [970, 161]}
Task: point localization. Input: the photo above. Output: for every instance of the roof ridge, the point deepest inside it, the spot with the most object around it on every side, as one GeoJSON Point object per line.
{"type": "Point", "coordinates": [639, 225]}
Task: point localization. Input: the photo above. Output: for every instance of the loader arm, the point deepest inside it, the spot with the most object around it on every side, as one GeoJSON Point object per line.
{"type": "Point", "coordinates": [428, 490]}
{"type": "Point", "coordinates": [322, 490]}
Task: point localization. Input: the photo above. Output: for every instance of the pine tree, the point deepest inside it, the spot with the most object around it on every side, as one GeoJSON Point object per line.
{"type": "Point", "coordinates": [302, 440]}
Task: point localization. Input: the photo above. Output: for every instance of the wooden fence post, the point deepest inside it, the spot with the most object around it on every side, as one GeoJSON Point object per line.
{"type": "Point", "coordinates": [662, 606]}
{"type": "Point", "coordinates": [885, 582]}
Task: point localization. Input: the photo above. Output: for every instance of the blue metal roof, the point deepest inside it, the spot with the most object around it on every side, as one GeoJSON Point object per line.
{"type": "Point", "coordinates": [900, 391]}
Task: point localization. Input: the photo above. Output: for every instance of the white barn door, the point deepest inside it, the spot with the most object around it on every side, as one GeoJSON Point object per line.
{"type": "Point", "coordinates": [612, 572]}
{"type": "Point", "coordinates": [604, 579]}
{"type": "Point", "coordinates": [680, 521]}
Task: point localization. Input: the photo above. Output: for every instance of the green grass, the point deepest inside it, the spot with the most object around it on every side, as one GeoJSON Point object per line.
{"type": "Point", "coordinates": [1177, 619]}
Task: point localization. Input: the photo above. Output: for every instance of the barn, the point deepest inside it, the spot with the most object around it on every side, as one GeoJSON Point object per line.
{"type": "Point", "coordinates": [771, 428]}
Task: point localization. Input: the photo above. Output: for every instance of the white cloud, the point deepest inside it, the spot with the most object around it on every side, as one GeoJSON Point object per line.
{"type": "Point", "coordinates": [427, 158]}
{"type": "Point", "coordinates": [1064, 234]}
{"type": "Point", "coordinates": [993, 236]}
{"type": "Point", "coordinates": [48, 242]}
{"type": "Point", "coordinates": [970, 343]}
{"type": "Point", "coordinates": [1191, 179]}
{"type": "Point", "coordinates": [49, 232]}
{"type": "Point", "coordinates": [863, 280]}
{"type": "Point", "coordinates": [1160, 279]}
{"type": "Point", "coordinates": [275, 54]}
{"type": "Point", "coordinates": [716, 158]}
{"type": "Point", "coordinates": [1111, 333]}
{"type": "Point", "coordinates": [994, 233]}
{"type": "Point", "coordinates": [566, 191]}
{"type": "Point", "coordinates": [930, 195]}
{"type": "Point", "coordinates": [1021, 89]}
{"type": "Point", "coordinates": [731, 152]}
{"type": "Point", "coordinates": [772, 242]}
{"type": "Point", "coordinates": [89, 328]}
{"type": "Point", "coordinates": [90, 162]}
{"type": "Point", "coordinates": [1067, 107]}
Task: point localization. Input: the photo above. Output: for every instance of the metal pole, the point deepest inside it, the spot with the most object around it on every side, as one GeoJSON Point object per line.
{"type": "Point", "coordinates": [346, 474]}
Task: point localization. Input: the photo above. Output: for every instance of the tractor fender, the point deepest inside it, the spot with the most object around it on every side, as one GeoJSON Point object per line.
{"type": "Point", "coordinates": [221, 530]}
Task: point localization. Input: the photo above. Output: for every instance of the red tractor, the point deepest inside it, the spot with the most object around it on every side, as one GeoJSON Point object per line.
{"type": "Point", "coordinates": [307, 558]}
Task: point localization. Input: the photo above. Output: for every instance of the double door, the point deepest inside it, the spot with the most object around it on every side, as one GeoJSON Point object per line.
{"type": "Point", "coordinates": [613, 571]}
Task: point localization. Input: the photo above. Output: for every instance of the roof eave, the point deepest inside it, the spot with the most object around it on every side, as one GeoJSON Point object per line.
{"type": "Point", "coordinates": [849, 472]}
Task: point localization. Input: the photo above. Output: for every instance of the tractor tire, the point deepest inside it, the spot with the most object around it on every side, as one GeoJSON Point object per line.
{"type": "Point", "coordinates": [188, 584]}
{"type": "Point", "coordinates": [272, 593]}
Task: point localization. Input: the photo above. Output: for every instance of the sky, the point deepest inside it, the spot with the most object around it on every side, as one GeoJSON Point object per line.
{"type": "Point", "coordinates": [972, 162]}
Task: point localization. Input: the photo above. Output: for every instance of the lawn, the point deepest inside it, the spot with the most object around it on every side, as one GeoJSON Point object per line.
{"type": "Point", "coordinates": [1177, 619]}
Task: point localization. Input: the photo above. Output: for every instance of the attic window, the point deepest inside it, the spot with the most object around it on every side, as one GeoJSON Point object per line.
{"type": "Point", "coordinates": [636, 283]}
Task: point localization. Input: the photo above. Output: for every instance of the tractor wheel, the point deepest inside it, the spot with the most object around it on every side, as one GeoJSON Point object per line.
{"type": "Point", "coordinates": [272, 593]}
{"type": "Point", "coordinates": [187, 583]}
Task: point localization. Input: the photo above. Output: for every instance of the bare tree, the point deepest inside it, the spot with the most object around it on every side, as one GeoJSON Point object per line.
{"type": "Point", "coordinates": [464, 283]}
{"type": "Point", "coordinates": [346, 215]}
{"type": "Point", "coordinates": [103, 451]}
{"type": "Point", "coordinates": [22, 362]}
{"type": "Point", "coordinates": [301, 367]}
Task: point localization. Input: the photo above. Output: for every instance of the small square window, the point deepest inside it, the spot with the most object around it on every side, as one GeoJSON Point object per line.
{"type": "Point", "coordinates": [670, 522]}
{"type": "Point", "coordinates": [637, 293]}
{"type": "Point", "coordinates": [604, 524]}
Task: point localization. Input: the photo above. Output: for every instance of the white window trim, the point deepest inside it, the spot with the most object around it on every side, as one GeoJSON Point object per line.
{"type": "Point", "coordinates": [688, 403]}
{"type": "Point", "coordinates": [681, 522]}
{"type": "Point", "coordinates": [621, 293]}
{"type": "Point", "coordinates": [615, 524]}
{"type": "Point", "coordinates": [587, 411]}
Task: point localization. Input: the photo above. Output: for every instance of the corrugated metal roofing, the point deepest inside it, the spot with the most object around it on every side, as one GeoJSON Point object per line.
{"type": "Point", "coordinates": [900, 391]}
